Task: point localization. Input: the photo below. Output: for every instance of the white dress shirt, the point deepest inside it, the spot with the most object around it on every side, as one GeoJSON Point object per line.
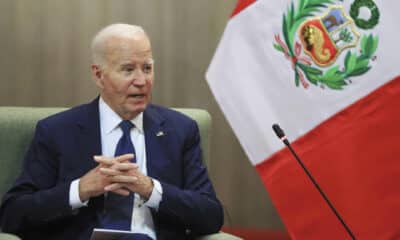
{"type": "Point", "coordinates": [142, 221]}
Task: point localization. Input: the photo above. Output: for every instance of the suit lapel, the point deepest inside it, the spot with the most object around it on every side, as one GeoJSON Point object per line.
{"type": "Point", "coordinates": [155, 137]}
{"type": "Point", "coordinates": [89, 143]}
{"type": "Point", "coordinates": [89, 139]}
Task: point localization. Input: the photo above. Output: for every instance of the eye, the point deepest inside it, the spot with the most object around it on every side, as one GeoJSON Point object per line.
{"type": "Point", "coordinates": [128, 69]}
{"type": "Point", "coordinates": [148, 68]}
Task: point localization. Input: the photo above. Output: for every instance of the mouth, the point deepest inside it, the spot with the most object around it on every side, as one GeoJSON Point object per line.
{"type": "Point", "coordinates": [136, 96]}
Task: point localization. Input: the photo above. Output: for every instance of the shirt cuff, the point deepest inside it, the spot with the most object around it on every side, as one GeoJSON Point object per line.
{"type": "Point", "coordinates": [74, 199]}
{"type": "Point", "coordinates": [156, 196]}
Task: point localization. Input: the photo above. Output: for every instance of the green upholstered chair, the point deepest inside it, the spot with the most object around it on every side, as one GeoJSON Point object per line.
{"type": "Point", "coordinates": [16, 131]}
{"type": "Point", "coordinates": [5, 236]}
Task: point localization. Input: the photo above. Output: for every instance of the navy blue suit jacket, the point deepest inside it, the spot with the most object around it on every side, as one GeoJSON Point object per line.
{"type": "Point", "coordinates": [62, 150]}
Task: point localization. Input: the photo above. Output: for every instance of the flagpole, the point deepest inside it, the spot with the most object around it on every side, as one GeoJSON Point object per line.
{"type": "Point", "coordinates": [279, 132]}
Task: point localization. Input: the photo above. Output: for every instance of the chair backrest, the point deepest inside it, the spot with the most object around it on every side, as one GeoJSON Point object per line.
{"type": "Point", "coordinates": [17, 126]}
{"type": "Point", "coordinates": [6, 236]}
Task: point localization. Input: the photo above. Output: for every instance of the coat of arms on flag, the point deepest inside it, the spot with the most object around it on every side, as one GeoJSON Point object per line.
{"type": "Point", "coordinates": [313, 42]}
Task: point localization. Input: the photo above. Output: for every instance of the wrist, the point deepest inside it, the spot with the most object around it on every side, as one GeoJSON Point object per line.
{"type": "Point", "coordinates": [84, 195]}
{"type": "Point", "coordinates": [149, 189]}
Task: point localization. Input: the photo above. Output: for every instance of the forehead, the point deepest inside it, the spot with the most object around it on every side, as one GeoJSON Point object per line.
{"type": "Point", "coordinates": [122, 49]}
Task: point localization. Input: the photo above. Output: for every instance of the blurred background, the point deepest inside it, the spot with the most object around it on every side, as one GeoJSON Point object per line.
{"type": "Point", "coordinates": [45, 61]}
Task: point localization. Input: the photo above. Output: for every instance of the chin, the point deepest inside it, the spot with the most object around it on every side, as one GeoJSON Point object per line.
{"type": "Point", "coordinates": [135, 110]}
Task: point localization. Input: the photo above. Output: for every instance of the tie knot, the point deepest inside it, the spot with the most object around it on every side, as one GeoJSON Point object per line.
{"type": "Point", "coordinates": [126, 126]}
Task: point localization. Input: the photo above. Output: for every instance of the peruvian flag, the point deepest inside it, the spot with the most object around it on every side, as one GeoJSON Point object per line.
{"type": "Point", "coordinates": [328, 72]}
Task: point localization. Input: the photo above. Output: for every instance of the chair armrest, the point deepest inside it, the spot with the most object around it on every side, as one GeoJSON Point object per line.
{"type": "Point", "coordinates": [219, 236]}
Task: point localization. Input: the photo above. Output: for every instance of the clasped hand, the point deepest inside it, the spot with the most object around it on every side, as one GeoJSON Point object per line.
{"type": "Point", "coordinates": [117, 175]}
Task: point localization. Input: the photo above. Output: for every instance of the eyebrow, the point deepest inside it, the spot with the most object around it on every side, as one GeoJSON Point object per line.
{"type": "Point", "coordinates": [147, 61]}
{"type": "Point", "coordinates": [150, 61]}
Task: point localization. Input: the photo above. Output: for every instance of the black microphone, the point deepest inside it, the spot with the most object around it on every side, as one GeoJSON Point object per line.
{"type": "Point", "coordinates": [281, 135]}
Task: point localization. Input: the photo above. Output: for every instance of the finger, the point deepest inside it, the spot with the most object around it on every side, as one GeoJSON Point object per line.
{"type": "Point", "coordinates": [124, 166]}
{"type": "Point", "coordinates": [110, 171]}
{"type": "Point", "coordinates": [117, 188]}
{"type": "Point", "coordinates": [122, 192]}
{"type": "Point", "coordinates": [125, 157]}
{"type": "Point", "coordinates": [103, 160]}
{"type": "Point", "coordinates": [113, 187]}
{"type": "Point", "coordinates": [108, 161]}
{"type": "Point", "coordinates": [123, 179]}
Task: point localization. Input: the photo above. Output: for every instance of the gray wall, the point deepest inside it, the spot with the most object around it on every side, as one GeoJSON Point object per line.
{"type": "Point", "coordinates": [44, 61]}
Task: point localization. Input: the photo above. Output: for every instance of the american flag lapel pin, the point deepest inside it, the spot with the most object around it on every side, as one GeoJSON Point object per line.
{"type": "Point", "coordinates": [160, 134]}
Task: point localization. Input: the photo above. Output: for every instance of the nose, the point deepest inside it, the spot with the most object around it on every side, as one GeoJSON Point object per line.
{"type": "Point", "coordinates": [139, 78]}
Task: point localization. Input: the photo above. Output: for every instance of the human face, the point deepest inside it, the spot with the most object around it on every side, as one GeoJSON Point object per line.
{"type": "Point", "coordinates": [127, 79]}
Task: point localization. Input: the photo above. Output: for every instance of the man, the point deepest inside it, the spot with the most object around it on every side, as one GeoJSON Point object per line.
{"type": "Point", "coordinates": [117, 162]}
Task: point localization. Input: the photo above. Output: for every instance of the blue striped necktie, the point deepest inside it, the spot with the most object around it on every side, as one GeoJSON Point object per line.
{"type": "Point", "coordinates": [118, 209]}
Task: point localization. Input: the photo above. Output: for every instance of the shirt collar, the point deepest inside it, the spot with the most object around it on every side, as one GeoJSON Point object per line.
{"type": "Point", "coordinates": [110, 120]}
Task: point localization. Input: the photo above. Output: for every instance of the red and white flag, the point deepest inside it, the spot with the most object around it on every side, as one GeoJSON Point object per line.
{"type": "Point", "coordinates": [328, 72]}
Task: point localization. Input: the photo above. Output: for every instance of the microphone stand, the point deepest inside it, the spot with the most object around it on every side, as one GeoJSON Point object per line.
{"type": "Point", "coordinates": [279, 132]}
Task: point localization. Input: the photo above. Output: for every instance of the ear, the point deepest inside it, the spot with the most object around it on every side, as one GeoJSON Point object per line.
{"type": "Point", "coordinates": [97, 75]}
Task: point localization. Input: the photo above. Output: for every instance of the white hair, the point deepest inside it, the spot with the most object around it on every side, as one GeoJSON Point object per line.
{"type": "Point", "coordinates": [98, 45]}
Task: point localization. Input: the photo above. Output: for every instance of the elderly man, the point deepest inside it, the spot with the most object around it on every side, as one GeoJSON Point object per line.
{"type": "Point", "coordinates": [117, 162]}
